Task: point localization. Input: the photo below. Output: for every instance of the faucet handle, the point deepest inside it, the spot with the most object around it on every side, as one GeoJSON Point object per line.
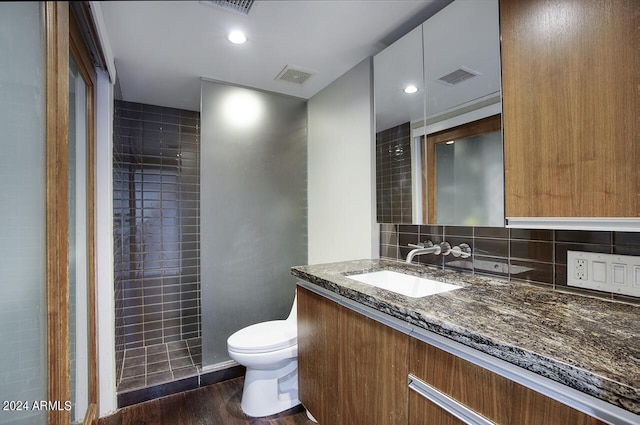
{"type": "Point", "coordinates": [445, 248]}
{"type": "Point", "coordinates": [463, 250]}
{"type": "Point", "coordinates": [425, 244]}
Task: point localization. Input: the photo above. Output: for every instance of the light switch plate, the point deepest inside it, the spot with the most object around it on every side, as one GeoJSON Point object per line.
{"type": "Point", "coordinates": [599, 271]}
{"type": "Point", "coordinates": [619, 274]}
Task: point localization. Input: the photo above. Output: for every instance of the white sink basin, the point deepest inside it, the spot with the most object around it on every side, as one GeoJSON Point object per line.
{"type": "Point", "coordinates": [411, 286]}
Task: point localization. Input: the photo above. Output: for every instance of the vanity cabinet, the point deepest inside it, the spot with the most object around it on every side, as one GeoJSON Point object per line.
{"type": "Point", "coordinates": [352, 369]}
{"type": "Point", "coordinates": [498, 399]}
{"type": "Point", "coordinates": [570, 108]}
{"type": "Point", "coordinates": [356, 370]}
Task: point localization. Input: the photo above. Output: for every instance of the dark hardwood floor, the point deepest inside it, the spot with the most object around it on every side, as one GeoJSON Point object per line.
{"type": "Point", "coordinates": [217, 404]}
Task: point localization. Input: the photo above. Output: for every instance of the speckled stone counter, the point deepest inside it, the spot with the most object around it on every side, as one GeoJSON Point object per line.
{"type": "Point", "coordinates": [589, 344]}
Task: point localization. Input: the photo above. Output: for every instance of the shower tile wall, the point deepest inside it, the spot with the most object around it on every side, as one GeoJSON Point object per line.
{"type": "Point", "coordinates": [393, 174]}
{"type": "Point", "coordinates": [156, 224]}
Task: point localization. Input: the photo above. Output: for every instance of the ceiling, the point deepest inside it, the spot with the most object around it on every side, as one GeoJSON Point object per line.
{"type": "Point", "coordinates": [162, 49]}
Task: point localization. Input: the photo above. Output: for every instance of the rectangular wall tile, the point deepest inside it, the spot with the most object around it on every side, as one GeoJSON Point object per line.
{"type": "Point", "coordinates": [534, 250]}
{"type": "Point", "coordinates": [156, 224]}
{"type": "Point", "coordinates": [531, 271]}
{"type": "Point", "coordinates": [491, 247]}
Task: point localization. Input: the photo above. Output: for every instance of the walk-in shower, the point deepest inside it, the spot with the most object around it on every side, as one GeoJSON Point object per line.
{"type": "Point", "coordinates": [240, 171]}
{"type": "Point", "coordinates": [157, 244]}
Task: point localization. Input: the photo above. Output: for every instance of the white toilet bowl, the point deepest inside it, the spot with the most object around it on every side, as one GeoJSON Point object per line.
{"type": "Point", "coordinates": [269, 351]}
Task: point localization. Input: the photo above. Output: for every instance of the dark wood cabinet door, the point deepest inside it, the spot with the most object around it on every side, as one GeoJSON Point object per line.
{"type": "Point", "coordinates": [317, 355]}
{"type": "Point", "coordinates": [570, 107]}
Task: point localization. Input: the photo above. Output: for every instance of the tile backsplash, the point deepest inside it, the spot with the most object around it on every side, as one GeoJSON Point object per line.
{"type": "Point", "coordinates": [527, 255]}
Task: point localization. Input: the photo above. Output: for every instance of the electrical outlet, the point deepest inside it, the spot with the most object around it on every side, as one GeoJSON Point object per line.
{"type": "Point", "coordinates": [613, 273]}
{"type": "Point", "coordinates": [580, 269]}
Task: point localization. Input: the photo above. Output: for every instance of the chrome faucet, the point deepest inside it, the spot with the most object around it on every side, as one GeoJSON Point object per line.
{"type": "Point", "coordinates": [463, 251]}
{"type": "Point", "coordinates": [428, 248]}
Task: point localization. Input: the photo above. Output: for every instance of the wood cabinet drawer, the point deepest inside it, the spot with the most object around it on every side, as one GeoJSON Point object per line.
{"type": "Point", "coordinates": [497, 398]}
{"type": "Point", "coordinates": [422, 411]}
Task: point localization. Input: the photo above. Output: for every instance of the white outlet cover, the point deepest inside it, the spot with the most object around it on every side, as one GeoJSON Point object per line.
{"type": "Point", "coordinates": [619, 274]}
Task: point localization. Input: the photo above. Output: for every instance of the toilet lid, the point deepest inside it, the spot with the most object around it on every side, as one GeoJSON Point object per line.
{"type": "Point", "coordinates": [264, 337]}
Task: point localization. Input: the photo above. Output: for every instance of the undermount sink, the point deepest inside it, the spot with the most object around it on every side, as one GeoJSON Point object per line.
{"type": "Point", "coordinates": [404, 284]}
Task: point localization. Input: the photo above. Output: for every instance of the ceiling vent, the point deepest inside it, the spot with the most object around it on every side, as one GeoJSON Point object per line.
{"type": "Point", "coordinates": [240, 6]}
{"type": "Point", "coordinates": [459, 75]}
{"type": "Point", "coordinates": [294, 75]}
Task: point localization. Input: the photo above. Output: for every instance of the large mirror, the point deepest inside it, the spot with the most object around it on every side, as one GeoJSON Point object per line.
{"type": "Point", "coordinates": [399, 93]}
{"type": "Point", "coordinates": [439, 149]}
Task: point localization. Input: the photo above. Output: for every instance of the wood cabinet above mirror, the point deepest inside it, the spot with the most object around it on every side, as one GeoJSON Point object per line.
{"type": "Point", "coordinates": [453, 60]}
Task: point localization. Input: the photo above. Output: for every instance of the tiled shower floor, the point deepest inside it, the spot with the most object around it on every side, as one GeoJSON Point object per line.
{"type": "Point", "coordinates": [158, 364]}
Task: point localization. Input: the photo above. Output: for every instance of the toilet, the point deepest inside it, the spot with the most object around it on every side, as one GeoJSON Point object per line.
{"type": "Point", "coordinates": [269, 351]}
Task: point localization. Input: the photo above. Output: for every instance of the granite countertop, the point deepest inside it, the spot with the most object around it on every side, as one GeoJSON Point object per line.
{"type": "Point", "coordinates": [590, 344]}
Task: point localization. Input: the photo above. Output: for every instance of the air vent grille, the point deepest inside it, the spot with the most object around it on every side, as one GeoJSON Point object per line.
{"type": "Point", "coordinates": [240, 6]}
{"type": "Point", "coordinates": [459, 75]}
{"type": "Point", "coordinates": [293, 75]}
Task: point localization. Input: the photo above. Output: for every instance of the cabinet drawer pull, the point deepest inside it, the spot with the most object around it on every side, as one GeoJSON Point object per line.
{"type": "Point", "coordinates": [447, 403]}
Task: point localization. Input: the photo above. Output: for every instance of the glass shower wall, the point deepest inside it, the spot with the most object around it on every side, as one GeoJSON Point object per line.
{"type": "Point", "coordinates": [23, 305]}
{"type": "Point", "coordinates": [253, 209]}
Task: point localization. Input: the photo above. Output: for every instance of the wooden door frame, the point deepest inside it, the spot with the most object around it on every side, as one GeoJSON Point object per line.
{"type": "Point", "coordinates": [62, 39]}
{"type": "Point", "coordinates": [57, 48]}
{"type": "Point", "coordinates": [80, 52]}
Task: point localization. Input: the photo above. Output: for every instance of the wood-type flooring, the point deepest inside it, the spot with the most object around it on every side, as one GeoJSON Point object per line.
{"type": "Point", "coordinates": [217, 404]}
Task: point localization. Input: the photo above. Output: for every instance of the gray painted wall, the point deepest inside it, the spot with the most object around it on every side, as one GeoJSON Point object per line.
{"type": "Point", "coordinates": [342, 216]}
{"type": "Point", "coordinates": [253, 209]}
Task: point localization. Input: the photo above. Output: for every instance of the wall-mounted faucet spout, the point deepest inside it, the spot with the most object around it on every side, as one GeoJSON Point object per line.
{"type": "Point", "coordinates": [428, 248]}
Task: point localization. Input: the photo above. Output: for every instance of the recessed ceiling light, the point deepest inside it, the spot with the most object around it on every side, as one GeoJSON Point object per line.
{"type": "Point", "coordinates": [410, 89]}
{"type": "Point", "coordinates": [237, 37]}
{"type": "Point", "coordinates": [450, 142]}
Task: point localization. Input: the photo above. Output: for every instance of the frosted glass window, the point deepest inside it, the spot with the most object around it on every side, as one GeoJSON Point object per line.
{"type": "Point", "coordinates": [470, 181]}
{"type": "Point", "coordinates": [23, 321]}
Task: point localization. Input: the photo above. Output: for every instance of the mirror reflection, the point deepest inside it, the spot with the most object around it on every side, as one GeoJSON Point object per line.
{"type": "Point", "coordinates": [461, 59]}
{"type": "Point", "coordinates": [421, 178]}
{"type": "Point", "coordinates": [466, 177]}
{"type": "Point", "coordinates": [399, 92]}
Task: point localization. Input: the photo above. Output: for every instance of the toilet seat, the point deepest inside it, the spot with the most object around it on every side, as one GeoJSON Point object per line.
{"type": "Point", "coordinates": [264, 337]}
